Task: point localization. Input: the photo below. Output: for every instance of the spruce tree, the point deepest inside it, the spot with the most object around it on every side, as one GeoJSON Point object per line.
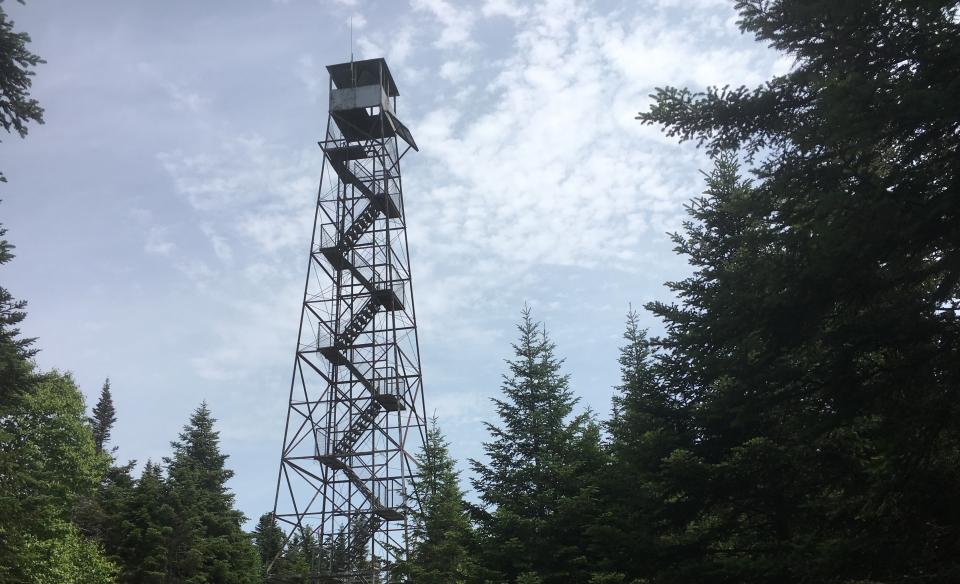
{"type": "Point", "coordinates": [104, 417]}
{"type": "Point", "coordinates": [106, 518]}
{"type": "Point", "coordinates": [817, 339]}
{"type": "Point", "coordinates": [541, 458]}
{"type": "Point", "coordinates": [15, 350]}
{"type": "Point", "coordinates": [17, 108]}
{"type": "Point", "coordinates": [269, 541]}
{"type": "Point", "coordinates": [646, 428]}
{"type": "Point", "coordinates": [206, 543]}
{"type": "Point", "coordinates": [443, 550]}
{"type": "Point", "coordinates": [148, 528]}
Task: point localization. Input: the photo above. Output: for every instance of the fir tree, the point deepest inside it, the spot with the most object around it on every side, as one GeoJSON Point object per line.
{"type": "Point", "coordinates": [15, 350]}
{"type": "Point", "coordinates": [104, 417]}
{"type": "Point", "coordinates": [17, 108]}
{"type": "Point", "coordinates": [443, 537]}
{"type": "Point", "coordinates": [206, 543]}
{"type": "Point", "coordinates": [303, 556]}
{"type": "Point", "coordinates": [148, 527]}
{"type": "Point", "coordinates": [817, 339]}
{"type": "Point", "coordinates": [645, 429]}
{"type": "Point", "coordinates": [107, 519]}
{"type": "Point", "coordinates": [540, 458]}
{"type": "Point", "coordinates": [269, 541]}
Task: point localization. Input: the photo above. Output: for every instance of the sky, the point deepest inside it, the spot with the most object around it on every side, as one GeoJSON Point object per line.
{"type": "Point", "coordinates": [162, 214]}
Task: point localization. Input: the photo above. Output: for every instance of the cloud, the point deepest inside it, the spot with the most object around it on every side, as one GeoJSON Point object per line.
{"type": "Point", "coordinates": [246, 175]}
{"type": "Point", "coordinates": [182, 98]}
{"type": "Point", "coordinates": [397, 53]}
{"type": "Point", "coordinates": [312, 76]}
{"type": "Point", "coordinates": [455, 71]}
{"type": "Point", "coordinates": [158, 242]}
{"type": "Point", "coordinates": [253, 202]}
{"type": "Point", "coordinates": [508, 8]}
{"type": "Point", "coordinates": [358, 20]}
{"type": "Point", "coordinates": [456, 22]}
{"type": "Point", "coordinates": [546, 166]}
{"type": "Point", "coordinates": [221, 247]}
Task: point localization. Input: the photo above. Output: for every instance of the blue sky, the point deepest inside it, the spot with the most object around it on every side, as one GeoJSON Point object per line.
{"type": "Point", "coordinates": [162, 214]}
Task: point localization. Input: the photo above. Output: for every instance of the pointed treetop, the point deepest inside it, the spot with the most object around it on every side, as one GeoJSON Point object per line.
{"type": "Point", "coordinates": [104, 416]}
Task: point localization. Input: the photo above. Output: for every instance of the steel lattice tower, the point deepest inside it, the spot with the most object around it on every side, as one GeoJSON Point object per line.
{"type": "Point", "coordinates": [356, 415]}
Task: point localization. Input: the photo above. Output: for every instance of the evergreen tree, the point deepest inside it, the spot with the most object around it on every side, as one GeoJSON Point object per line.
{"type": "Point", "coordinates": [17, 108]}
{"type": "Point", "coordinates": [443, 538]}
{"type": "Point", "coordinates": [269, 541]}
{"type": "Point", "coordinates": [147, 528]}
{"type": "Point", "coordinates": [817, 340]}
{"type": "Point", "coordinates": [206, 543]}
{"type": "Point", "coordinates": [542, 460]}
{"type": "Point", "coordinates": [645, 429]}
{"type": "Point", "coordinates": [104, 417]}
{"type": "Point", "coordinates": [294, 565]}
{"type": "Point", "coordinates": [15, 350]}
{"type": "Point", "coordinates": [106, 518]}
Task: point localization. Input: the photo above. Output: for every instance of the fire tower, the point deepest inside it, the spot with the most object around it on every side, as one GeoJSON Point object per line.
{"type": "Point", "coordinates": [356, 414]}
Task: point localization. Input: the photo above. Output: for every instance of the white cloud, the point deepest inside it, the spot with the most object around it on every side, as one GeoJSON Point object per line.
{"type": "Point", "coordinates": [245, 171]}
{"type": "Point", "coordinates": [312, 76]}
{"type": "Point", "coordinates": [397, 53]}
{"type": "Point", "coordinates": [186, 100]}
{"type": "Point", "coordinates": [368, 49]}
{"type": "Point", "coordinates": [543, 166]}
{"type": "Point", "coordinates": [254, 203]}
{"type": "Point", "coordinates": [401, 46]}
{"type": "Point", "coordinates": [455, 71]}
{"type": "Point", "coordinates": [456, 22]}
{"type": "Point", "coordinates": [158, 241]}
{"type": "Point", "coordinates": [221, 248]}
{"type": "Point", "coordinates": [508, 8]}
{"type": "Point", "coordinates": [358, 20]}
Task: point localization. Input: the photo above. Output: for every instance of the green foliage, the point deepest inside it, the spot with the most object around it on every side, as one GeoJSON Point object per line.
{"type": "Point", "coordinates": [15, 351]}
{"type": "Point", "coordinates": [269, 541]}
{"type": "Point", "coordinates": [289, 561]}
{"type": "Point", "coordinates": [444, 546]}
{"type": "Point", "coordinates": [646, 427]}
{"type": "Point", "coordinates": [529, 578]}
{"type": "Point", "coordinates": [65, 556]}
{"type": "Point", "coordinates": [206, 543]}
{"type": "Point", "coordinates": [146, 528]}
{"type": "Point", "coordinates": [541, 460]}
{"type": "Point", "coordinates": [301, 555]}
{"type": "Point", "coordinates": [49, 463]}
{"type": "Point", "coordinates": [17, 108]}
{"type": "Point", "coordinates": [104, 417]}
{"type": "Point", "coordinates": [816, 345]}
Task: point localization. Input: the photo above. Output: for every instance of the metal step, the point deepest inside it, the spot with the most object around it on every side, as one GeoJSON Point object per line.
{"type": "Point", "coordinates": [359, 227]}
{"type": "Point", "coordinates": [358, 323]}
{"type": "Point", "coordinates": [360, 426]}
